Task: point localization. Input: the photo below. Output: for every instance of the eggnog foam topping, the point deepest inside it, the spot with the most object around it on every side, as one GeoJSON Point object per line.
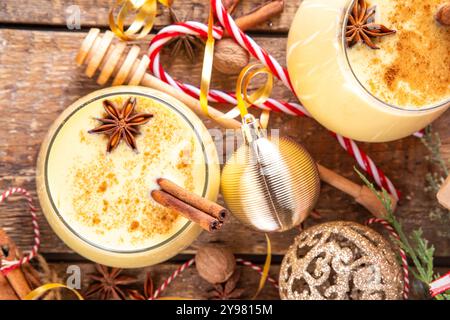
{"type": "Point", "coordinates": [411, 68]}
{"type": "Point", "coordinates": [105, 198]}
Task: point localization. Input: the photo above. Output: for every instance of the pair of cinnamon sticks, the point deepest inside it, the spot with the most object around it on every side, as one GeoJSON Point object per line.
{"type": "Point", "coordinates": [208, 214]}
{"type": "Point", "coordinates": [14, 284]}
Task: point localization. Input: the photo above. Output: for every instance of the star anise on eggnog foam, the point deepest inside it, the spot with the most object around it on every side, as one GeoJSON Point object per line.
{"type": "Point", "coordinates": [411, 69]}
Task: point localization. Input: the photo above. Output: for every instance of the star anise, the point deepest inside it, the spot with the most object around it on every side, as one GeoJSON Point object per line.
{"type": "Point", "coordinates": [121, 124]}
{"type": "Point", "coordinates": [148, 290]}
{"type": "Point", "coordinates": [106, 284]}
{"type": "Point", "coordinates": [227, 290]}
{"type": "Point", "coordinates": [187, 42]}
{"type": "Point", "coordinates": [361, 28]}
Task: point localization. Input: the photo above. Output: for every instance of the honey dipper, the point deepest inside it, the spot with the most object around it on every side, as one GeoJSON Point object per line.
{"type": "Point", "coordinates": [112, 59]}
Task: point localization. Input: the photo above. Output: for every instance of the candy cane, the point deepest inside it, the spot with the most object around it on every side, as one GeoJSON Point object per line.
{"type": "Point", "coordinates": [402, 253]}
{"type": "Point", "coordinates": [201, 30]}
{"type": "Point", "coordinates": [7, 266]}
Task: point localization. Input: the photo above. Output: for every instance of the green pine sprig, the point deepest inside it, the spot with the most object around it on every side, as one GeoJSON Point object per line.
{"type": "Point", "coordinates": [415, 246]}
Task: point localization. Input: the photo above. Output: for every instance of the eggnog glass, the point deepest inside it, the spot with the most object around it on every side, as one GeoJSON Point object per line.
{"type": "Point", "coordinates": [324, 78]}
{"type": "Point", "coordinates": [99, 203]}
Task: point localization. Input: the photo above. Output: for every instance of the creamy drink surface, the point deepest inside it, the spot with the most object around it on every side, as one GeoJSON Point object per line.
{"type": "Point", "coordinates": [411, 69]}
{"type": "Point", "coordinates": [105, 198]}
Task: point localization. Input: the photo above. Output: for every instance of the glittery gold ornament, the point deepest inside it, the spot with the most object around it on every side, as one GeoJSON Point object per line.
{"type": "Point", "coordinates": [269, 184]}
{"type": "Point", "coordinates": [340, 260]}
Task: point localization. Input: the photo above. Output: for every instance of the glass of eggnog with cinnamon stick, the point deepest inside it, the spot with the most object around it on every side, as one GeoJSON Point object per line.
{"type": "Point", "coordinates": [371, 70]}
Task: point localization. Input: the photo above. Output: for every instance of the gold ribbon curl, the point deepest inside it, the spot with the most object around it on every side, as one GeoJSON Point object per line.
{"type": "Point", "coordinates": [40, 291]}
{"type": "Point", "coordinates": [145, 14]}
{"type": "Point", "coordinates": [244, 100]}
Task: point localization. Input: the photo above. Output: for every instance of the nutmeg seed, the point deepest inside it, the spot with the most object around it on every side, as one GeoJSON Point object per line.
{"type": "Point", "coordinates": [215, 264]}
{"type": "Point", "coordinates": [229, 57]}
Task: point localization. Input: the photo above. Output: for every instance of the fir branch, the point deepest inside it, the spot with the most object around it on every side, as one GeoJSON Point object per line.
{"type": "Point", "coordinates": [415, 246]}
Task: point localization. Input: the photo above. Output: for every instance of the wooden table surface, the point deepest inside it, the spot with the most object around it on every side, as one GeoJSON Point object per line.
{"type": "Point", "coordinates": [39, 79]}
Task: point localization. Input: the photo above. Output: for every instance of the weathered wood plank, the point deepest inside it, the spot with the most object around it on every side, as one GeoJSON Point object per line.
{"type": "Point", "coordinates": [38, 79]}
{"type": "Point", "coordinates": [55, 12]}
{"type": "Point", "coordinates": [442, 126]}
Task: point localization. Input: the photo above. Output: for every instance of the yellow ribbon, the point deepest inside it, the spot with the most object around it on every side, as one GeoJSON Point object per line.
{"type": "Point", "coordinates": [244, 100]}
{"type": "Point", "coordinates": [207, 64]}
{"type": "Point", "coordinates": [145, 14]}
{"type": "Point", "coordinates": [39, 291]}
{"type": "Point", "coordinates": [266, 268]}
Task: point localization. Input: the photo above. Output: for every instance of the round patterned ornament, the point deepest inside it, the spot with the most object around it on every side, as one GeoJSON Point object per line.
{"type": "Point", "coordinates": [340, 261]}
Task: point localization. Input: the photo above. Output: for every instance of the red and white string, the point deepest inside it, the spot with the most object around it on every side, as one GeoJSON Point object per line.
{"type": "Point", "coordinates": [7, 266]}
{"type": "Point", "coordinates": [402, 253]}
{"type": "Point", "coordinates": [201, 30]}
{"type": "Point", "coordinates": [190, 262]}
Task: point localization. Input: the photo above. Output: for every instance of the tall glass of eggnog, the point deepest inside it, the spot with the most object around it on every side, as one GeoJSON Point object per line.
{"type": "Point", "coordinates": [378, 90]}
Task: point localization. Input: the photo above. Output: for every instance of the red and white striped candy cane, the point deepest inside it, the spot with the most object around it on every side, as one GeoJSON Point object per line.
{"type": "Point", "coordinates": [7, 266]}
{"type": "Point", "coordinates": [201, 30]}
{"type": "Point", "coordinates": [402, 253]}
{"type": "Point", "coordinates": [281, 73]}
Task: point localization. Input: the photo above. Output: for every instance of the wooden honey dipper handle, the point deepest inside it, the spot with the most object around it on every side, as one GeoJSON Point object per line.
{"type": "Point", "coordinates": [125, 67]}
{"type": "Point", "coordinates": [361, 193]}
{"type": "Point", "coordinates": [113, 60]}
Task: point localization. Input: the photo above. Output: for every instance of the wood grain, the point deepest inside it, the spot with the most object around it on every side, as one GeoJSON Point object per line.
{"type": "Point", "coordinates": [55, 12]}
{"type": "Point", "coordinates": [442, 126]}
{"type": "Point", "coordinates": [39, 79]}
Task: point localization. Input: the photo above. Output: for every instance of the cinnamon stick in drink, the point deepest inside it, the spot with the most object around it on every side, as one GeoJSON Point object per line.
{"type": "Point", "coordinates": [16, 278]}
{"type": "Point", "coordinates": [207, 222]}
{"type": "Point", "coordinates": [210, 207]}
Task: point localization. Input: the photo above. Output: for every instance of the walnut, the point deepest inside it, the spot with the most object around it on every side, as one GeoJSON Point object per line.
{"type": "Point", "coordinates": [229, 57]}
{"type": "Point", "coordinates": [215, 264]}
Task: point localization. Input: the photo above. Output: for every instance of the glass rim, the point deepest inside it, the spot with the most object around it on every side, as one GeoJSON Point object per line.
{"type": "Point", "coordinates": [50, 197]}
{"type": "Point", "coordinates": [428, 107]}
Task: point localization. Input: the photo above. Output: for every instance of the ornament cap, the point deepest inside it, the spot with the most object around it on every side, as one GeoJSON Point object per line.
{"type": "Point", "coordinates": [251, 129]}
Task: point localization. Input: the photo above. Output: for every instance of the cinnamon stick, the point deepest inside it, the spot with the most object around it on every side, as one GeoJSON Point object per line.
{"type": "Point", "coordinates": [259, 16]}
{"type": "Point", "coordinates": [16, 278]}
{"type": "Point", "coordinates": [443, 15]}
{"type": "Point", "coordinates": [32, 275]}
{"type": "Point", "coordinates": [205, 205]}
{"type": "Point", "coordinates": [206, 221]}
{"type": "Point", "coordinates": [6, 292]}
